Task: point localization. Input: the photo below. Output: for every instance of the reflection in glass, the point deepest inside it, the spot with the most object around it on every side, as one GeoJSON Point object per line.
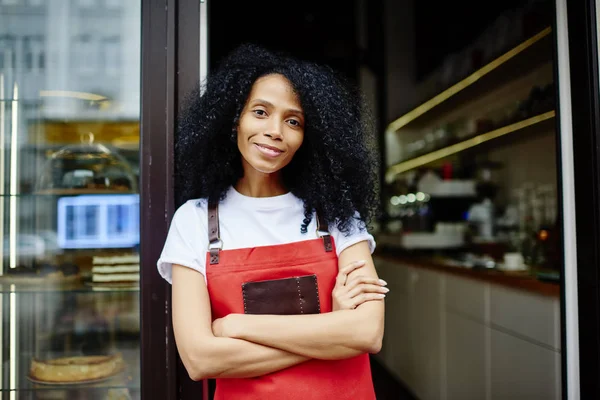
{"type": "Point", "coordinates": [84, 168]}
{"type": "Point", "coordinates": [69, 199]}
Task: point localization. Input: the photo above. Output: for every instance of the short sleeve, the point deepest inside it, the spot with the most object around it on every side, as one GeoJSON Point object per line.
{"type": "Point", "coordinates": [186, 241]}
{"type": "Point", "coordinates": [357, 233]}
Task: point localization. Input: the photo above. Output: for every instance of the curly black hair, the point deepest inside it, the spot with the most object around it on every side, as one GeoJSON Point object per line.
{"type": "Point", "coordinates": [335, 169]}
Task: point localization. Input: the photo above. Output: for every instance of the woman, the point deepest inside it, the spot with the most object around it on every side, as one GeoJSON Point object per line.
{"type": "Point", "coordinates": [268, 254]}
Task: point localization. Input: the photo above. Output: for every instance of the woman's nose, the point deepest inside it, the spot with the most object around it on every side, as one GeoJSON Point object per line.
{"type": "Point", "coordinates": [274, 131]}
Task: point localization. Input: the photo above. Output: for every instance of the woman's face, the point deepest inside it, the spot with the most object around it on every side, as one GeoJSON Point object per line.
{"type": "Point", "coordinates": [271, 125]}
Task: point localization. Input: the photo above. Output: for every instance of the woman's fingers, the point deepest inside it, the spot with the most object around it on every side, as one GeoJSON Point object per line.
{"type": "Point", "coordinates": [364, 297]}
{"type": "Point", "coordinates": [358, 280]}
{"type": "Point", "coordinates": [367, 288]}
{"type": "Point", "coordinates": [348, 295]}
{"type": "Point", "coordinates": [346, 270]}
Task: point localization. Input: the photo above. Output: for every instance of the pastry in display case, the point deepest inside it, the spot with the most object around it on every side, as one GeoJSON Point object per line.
{"type": "Point", "coordinates": [119, 270]}
{"type": "Point", "coordinates": [79, 369]}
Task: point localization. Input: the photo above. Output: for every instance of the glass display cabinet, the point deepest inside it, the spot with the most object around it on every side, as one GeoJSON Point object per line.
{"type": "Point", "coordinates": [69, 199]}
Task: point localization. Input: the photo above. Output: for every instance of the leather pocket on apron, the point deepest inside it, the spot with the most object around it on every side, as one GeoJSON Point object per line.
{"type": "Point", "coordinates": [288, 296]}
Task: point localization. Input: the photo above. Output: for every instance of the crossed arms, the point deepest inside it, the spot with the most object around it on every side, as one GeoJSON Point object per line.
{"type": "Point", "coordinates": [244, 346]}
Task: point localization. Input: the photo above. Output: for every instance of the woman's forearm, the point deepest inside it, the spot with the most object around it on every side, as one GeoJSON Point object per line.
{"type": "Point", "coordinates": [330, 336]}
{"type": "Point", "coordinates": [235, 358]}
{"type": "Point", "coordinates": [204, 354]}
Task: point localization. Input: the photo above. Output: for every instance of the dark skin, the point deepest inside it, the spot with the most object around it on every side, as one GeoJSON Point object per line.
{"type": "Point", "coordinates": [270, 132]}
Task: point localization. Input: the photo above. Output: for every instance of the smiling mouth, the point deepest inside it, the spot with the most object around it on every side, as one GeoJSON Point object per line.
{"type": "Point", "coordinates": [268, 150]}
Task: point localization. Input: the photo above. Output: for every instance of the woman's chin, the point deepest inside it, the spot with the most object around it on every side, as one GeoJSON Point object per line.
{"type": "Point", "coordinates": [266, 168]}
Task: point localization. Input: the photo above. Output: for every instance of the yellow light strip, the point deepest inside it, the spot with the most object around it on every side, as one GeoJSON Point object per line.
{"type": "Point", "coordinates": [14, 164]}
{"type": "Point", "coordinates": [458, 147]}
{"type": "Point", "coordinates": [468, 81]}
{"type": "Point", "coordinates": [76, 95]}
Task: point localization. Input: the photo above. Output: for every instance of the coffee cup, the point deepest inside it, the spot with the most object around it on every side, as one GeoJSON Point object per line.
{"type": "Point", "coordinates": [513, 261]}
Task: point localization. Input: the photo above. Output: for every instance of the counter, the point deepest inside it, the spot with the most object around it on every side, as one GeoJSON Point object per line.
{"type": "Point", "coordinates": [458, 333]}
{"type": "Point", "coordinates": [522, 280]}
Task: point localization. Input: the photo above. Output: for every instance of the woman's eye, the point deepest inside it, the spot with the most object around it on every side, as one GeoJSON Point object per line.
{"type": "Point", "coordinates": [294, 122]}
{"type": "Point", "coordinates": [261, 113]}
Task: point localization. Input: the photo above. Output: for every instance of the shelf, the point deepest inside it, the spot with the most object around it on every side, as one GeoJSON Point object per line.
{"type": "Point", "coordinates": [534, 45]}
{"type": "Point", "coordinates": [7, 287]}
{"type": "Point", "coordinates": [63, 192]}
{"type": "Point", "coordinates": [425, 159]}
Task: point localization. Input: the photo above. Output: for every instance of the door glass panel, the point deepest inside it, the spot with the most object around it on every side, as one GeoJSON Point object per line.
{"type": "Point", "coordinates": [69, 199]}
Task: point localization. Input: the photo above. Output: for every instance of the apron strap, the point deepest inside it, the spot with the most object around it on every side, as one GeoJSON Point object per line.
{"type": "Point", "coordinates": [323, 232]}
{"type": "Point", "coordinates": [215, 244]}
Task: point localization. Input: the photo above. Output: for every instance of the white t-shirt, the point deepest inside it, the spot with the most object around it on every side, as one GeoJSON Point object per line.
{"type": "Point", "coordinates": [244, 222]}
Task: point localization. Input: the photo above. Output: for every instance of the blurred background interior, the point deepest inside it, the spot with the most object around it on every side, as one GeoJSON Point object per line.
{"type": "Point", "coordinates": [470, 240]}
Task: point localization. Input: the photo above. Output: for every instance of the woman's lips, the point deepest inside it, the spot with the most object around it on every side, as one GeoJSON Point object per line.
{"type": "Point", "coordinates": [269, 151]}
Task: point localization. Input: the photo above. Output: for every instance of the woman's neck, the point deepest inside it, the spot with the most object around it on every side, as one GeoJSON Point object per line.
{"type": "Point", "coordinates": [258, 184]}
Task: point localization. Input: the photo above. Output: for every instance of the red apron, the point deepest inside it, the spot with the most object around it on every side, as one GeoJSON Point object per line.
{"type": "Point", "coordinates": [315, 379]}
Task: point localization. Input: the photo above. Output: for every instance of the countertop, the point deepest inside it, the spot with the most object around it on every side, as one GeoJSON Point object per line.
{"type": "Point", "coordinates": [522, 280]}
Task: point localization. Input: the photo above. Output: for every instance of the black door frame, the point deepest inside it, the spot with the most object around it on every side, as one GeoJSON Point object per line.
{"type": "Point", "coordinates": [170, 55]}
{"type": "Point", "coordinates": [585, 106]}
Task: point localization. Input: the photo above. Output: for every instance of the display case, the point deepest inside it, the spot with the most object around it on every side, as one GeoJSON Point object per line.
{"type": "Point", "coordinates": [69, 200]}
{"type": "Point", "coordinates": [70, 279]}
{"type": "Point", "coordinates": [472, 173]}
{"type": "Point", "coordinates": [70, 342]}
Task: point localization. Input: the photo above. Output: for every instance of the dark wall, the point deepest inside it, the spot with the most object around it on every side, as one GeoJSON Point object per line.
{"type": "Point", "coordinates": [322, 31]}
{"type": "Point", "coordinates": [448, 27]}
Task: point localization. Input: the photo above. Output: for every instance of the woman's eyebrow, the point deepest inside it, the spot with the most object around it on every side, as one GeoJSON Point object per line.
{"type": "Point", "coordinates": [269, 104]}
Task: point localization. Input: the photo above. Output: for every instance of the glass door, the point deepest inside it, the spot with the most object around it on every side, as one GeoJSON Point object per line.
{"type": "Point", "coordinates": [69, 198]}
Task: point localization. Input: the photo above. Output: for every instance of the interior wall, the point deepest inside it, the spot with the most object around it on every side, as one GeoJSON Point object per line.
{"type": "Point", "coordinates": [404, 92]}
{"type": "Point", "coordinates": [530, 162]}
{"type": "Point", "coordinates": [401, 88]}
{"type": "Point", "coordinates": [319, 31]}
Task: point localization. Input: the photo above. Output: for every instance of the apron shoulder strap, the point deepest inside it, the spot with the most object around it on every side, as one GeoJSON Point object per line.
{"type": "Point", "coordinates": [215, 244]}
{"type": "Point", "coordinates": [323, 232]}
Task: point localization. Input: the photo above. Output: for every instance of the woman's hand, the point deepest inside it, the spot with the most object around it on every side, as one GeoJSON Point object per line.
{"type": "Point", "coordinates": [360, 289]}
{"type": "Point", "coordinates": [226, 326]}
{"type": "Point", "coordinates": [217, 327]}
